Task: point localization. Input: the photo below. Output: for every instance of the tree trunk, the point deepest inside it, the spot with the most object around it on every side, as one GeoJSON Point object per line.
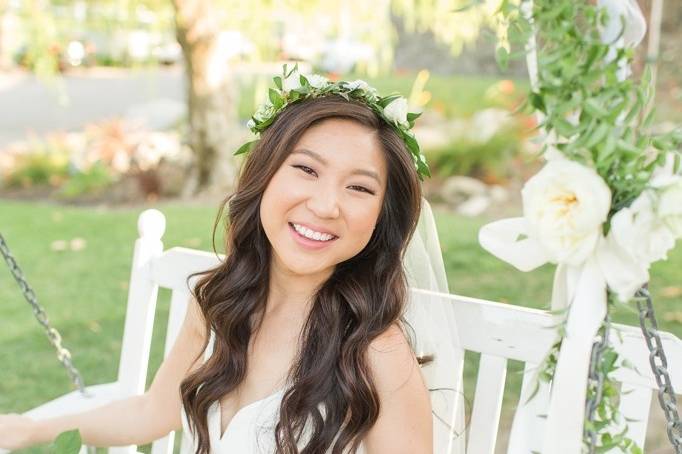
{"type": "Point", "coordinates": [211, 106]}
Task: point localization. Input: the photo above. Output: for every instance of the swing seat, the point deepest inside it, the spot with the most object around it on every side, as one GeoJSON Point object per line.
{"type": "Point", "coordinates": [446, 325]}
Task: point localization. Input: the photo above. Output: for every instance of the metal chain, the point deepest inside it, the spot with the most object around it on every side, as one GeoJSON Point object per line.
{"type": "Point", "coordinates": [596, 376]}
{"type": "Point", "coordinates": [53, 335]}
{"type": "Point", "coordinates": [659, 366]}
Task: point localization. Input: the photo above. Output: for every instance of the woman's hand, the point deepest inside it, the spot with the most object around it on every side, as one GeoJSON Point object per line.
{"type": "Point", "coordinates": [16, 431]}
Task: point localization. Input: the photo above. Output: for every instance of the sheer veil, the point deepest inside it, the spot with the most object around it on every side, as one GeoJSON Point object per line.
{"type": "Point", "coordinates": [431, 314]}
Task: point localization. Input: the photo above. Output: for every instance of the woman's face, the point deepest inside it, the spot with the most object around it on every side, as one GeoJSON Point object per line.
{"type": "Point", "coordinates": [321, 206]}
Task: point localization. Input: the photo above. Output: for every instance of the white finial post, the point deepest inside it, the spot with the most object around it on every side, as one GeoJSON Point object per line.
{"type": "Point", "coordinates": [151, 224]}
{"type": "Point", "coordinates": [139, 321]}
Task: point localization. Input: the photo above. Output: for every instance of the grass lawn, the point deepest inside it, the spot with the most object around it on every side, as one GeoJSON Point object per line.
{"type": "Point", "coordinates": [84, 292]}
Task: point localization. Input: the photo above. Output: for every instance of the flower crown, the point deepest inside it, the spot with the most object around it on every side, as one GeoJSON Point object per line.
{"type": "Point", "coordinates": [293, 87]}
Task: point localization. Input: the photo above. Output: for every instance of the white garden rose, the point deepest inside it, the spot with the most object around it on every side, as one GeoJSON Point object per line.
{"type": "Point", "coordinates": [565, 205]}
{"type": "Point", "coordinates": [623, 273]}
{"type": "Point", "coordinates": [317, 81]}
{"type": "Point", "coordinates": [264, 111]}
{"type": "Point", "coordinates": [358, 84]}
{"type": "Point", "coordinates": [292, 82]}
{"type": "Point", "coordinates": [369, 92]}
{"type": "Point", "coordinates": [640, 232]}
{"type": "Point", "coordinates": [670, 206]}
{"type": "Point", "coordinates": [396, 111]}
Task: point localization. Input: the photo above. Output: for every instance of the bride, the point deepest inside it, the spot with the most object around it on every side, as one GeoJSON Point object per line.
{"type": "Point", "coordinates": [297, 341]}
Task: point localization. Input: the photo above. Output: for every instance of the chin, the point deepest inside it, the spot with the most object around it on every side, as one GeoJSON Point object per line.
{"type": "Point", "coordinates": [304, 269]}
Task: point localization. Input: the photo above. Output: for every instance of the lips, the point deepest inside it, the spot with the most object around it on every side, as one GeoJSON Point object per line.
{"type": "Point", "coordinates": [308, 243]}
{"type": "Point", "coordinates": [314, 228]}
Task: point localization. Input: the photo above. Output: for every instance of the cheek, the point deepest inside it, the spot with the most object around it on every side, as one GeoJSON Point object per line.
{"type": "Point", "coordinates": [278, 198]}
{"type": "Point", "coordinates": [271, 204]}
{"type": "Point", "coordinates": [361, 225]}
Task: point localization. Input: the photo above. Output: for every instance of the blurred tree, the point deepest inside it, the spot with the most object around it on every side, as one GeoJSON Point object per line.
{"type": "Point", "coordinates": [211, 101]}
{"type": "Point", "coordinates": [198, 25]}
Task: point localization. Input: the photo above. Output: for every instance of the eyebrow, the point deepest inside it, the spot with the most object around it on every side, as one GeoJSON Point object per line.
{"type": "Point", "coordinates": [317, 157]}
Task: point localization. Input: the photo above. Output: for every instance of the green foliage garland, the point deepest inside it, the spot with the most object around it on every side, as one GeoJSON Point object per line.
{"type": "Point", "coordinates": [601, 121]}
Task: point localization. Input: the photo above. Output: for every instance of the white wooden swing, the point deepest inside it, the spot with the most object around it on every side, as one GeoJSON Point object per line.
{"type": "Point", "coordinates": [446, 326]}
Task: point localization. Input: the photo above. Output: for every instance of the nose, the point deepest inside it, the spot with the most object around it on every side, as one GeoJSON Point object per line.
{"type": "Point", "coordinates": [323, 202]}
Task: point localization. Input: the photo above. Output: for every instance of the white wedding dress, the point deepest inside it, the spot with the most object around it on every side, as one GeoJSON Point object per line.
{"type": "Point", "coordinates": [251, 430]}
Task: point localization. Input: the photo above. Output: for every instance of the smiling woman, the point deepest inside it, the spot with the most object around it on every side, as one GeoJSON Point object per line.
{"type": "Point", "coordinates": [297, 341]}
{"type": "Point", "coordinates": [310, 298]}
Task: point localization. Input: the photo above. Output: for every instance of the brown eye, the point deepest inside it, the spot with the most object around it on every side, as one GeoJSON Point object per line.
{"type": "Point", "coordinates": [362, 189]}
{"type": "Point", "coordinates": [306, 169]}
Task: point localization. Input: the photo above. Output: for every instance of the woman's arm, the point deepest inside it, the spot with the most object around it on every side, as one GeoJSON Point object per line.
{"type": "Point", "coordinates": [405, 424]}
{"type": "Point", "coordinates": [134, 420]}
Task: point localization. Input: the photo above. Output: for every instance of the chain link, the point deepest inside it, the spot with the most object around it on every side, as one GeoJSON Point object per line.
{"type": "Point", "coordinates": [659, 366]}
{"type": "Point", "coordinates": [53, 335]}
{"type": "Point", "coordinates": [596, 379]}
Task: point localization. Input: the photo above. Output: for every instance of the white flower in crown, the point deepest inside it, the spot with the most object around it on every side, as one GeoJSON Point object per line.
{"type": "Point", "coordinates": [565, 205]}
{"type": "Point", "coordinates": [264, 111]}
{"type": "Point", "coordinates": [317, 81]}
{"type": "Point", "coordinates": [358, 84]}
{"type": "Point", "coordinates": [250, 124]}
{"type": "Point", "coordinates": [369, 92]}
{"type": "Point", "coordinates": [396, 111]}
{"type": "Point", "coordinates": [292, 82]}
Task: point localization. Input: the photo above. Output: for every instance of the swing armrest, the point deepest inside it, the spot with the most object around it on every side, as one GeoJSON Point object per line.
{"type": "Point", "coordinates": [75, 402]}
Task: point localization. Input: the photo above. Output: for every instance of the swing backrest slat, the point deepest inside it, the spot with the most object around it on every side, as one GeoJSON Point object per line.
{"type": "Point", "coordinates": [485, 416]}
{"type": "Point", "coordinates": [635, 402]}
{"type": "Point", "coordinates": [530, 413]}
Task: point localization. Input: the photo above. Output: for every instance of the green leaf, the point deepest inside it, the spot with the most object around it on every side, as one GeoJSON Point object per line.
{"type": "Point", "coordinates": [275, 98]}
{"type": "Point", "coordinates": [411, 116]}
{"type": "Point", "coordinates": [597, 135]}
{"type": "Point", "coordinates": [289, 73]}
{"type": "Point", "coordinates": [628, 148]}
{"type": "Point", "coordinates": [383, 102]}
{"type": "Point", "coordinates": [537, 101]}
{"type": "Point", "coordinates": [649, 119]}
{"type": "Point", "coordinates": [278, 82]}
{"type": "Point", "coordinates": [564, 127]}
{"type": "Point", "coordinates": [593, 107]}
{"type": "Point", "coordinates": [68, 442]}
{"type": "Point", "coordinates": [647, 75]}
{"type": "Point", "coordinates": [609, 359]}
{"type": "Point", "coordinates": [660, 143]}
{"type": "Point", "coordinates": [536, 388]}
{"type": "Point", "coordinates": [246, 147]}
{"type": "Point", "coordinates": [634, 111]}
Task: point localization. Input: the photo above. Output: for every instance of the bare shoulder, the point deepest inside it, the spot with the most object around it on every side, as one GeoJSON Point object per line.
{"type": "Point", "coordinates": [391, 360]}
{"type": "Point", "coordinates": [405, 422]}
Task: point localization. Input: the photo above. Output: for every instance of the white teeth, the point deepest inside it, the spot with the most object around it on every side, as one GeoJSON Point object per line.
{"type": "Point", "coordinates": [306, 232]}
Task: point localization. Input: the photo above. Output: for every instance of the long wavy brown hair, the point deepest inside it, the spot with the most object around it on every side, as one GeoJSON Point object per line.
{"type": "Point", "coordinates": [362, 298]}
